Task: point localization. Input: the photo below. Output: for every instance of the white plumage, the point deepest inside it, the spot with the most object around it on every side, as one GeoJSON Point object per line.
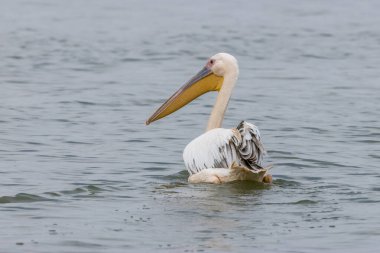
{"type": "Point", "coordinates": [209, 150]}
{"type": "Point", "coordinates": [219, 149]}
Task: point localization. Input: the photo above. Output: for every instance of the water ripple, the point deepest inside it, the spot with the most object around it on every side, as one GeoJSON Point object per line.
{"type": "Point", "coordinates": [22, 198]}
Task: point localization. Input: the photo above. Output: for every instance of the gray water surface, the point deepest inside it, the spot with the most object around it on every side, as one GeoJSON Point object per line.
{"type": "Point", "coordinates": [80, 172]}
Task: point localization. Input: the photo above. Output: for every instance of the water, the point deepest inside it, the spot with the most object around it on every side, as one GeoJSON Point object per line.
{"type": "Point", "coordinates": [81, 173]}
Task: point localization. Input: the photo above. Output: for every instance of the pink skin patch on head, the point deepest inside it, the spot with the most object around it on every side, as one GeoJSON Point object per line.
{"type": "Point", "coordinates": [210, 63]}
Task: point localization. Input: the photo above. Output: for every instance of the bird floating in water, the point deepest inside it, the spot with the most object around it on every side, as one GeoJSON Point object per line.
{"type": "Point", "coordinates": [219, 155]}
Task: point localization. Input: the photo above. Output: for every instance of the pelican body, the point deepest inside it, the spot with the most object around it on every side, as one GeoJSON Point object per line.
{"type": "Point", "coordinates": [219, 155]}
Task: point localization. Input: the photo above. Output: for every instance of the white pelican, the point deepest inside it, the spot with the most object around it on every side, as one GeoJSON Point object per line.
{"type": "Point", "coordinates": [219, 155]}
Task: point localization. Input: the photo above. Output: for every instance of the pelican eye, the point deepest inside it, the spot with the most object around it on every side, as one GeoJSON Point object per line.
{"type": "Point", "coordinates": [212, 61]}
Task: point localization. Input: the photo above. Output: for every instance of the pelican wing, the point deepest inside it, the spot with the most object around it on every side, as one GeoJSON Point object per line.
{"type": "Point", "coordinates": [250, 148]}
{"type": "Point", "coordinates": [220, 148]}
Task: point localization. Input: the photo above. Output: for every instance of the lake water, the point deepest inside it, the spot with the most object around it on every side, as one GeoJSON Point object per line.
{"type": "Point", "coordinates": [80, 172]}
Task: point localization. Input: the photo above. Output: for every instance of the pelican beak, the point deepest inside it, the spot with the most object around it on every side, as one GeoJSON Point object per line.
{"type": "Point", "coordinates": [201, 83]}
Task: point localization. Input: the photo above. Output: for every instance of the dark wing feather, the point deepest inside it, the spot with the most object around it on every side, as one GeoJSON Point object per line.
{"type": "Point", "coordinates": [248, 145]}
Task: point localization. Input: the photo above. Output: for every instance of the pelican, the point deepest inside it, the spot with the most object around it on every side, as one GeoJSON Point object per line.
{"type": "Point", "coordinates": [219, 155]}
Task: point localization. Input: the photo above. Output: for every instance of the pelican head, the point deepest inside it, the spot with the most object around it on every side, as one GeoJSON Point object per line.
{"type": "Point", "coordinates": [210, 78]}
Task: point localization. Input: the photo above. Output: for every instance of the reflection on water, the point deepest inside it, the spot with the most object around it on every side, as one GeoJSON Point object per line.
{"type": "Point", "coordinates": [80, 172]}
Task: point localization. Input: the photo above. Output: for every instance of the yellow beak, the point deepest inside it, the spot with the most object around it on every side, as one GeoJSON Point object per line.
{"type": "Point", "coordinates": [201, 83]}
